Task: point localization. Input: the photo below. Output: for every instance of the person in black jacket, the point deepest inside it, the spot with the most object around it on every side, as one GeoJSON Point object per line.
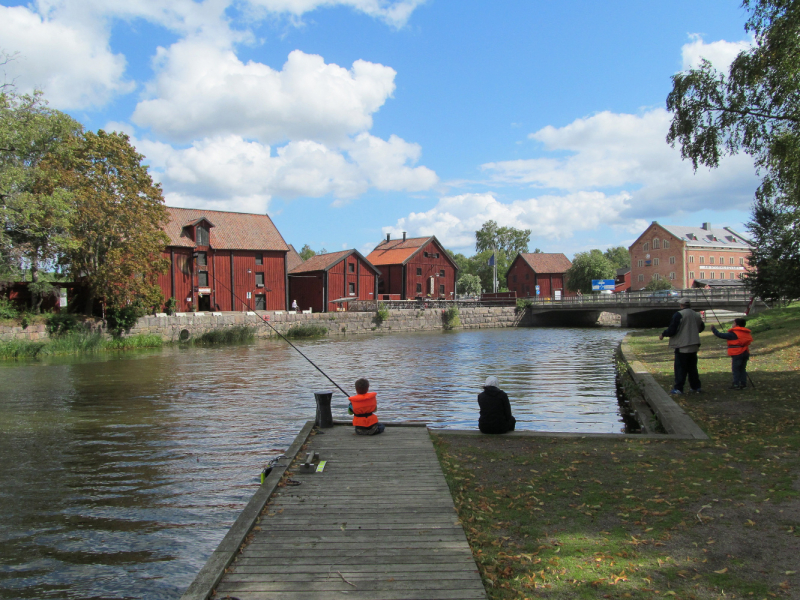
{"type": "Point", "coordinates": [496, 414]}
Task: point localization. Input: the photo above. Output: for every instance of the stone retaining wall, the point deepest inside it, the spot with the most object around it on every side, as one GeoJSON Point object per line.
{"type": "Point", "coordinates": [31, 333]}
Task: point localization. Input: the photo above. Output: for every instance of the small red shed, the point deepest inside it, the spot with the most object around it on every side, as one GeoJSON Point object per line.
{"type": "Point", "coordinates": [318, 281]}
{"type": "Point", "coordinates": [224, 261]}
{"type": "Point", "coordinates": [541, 268]}
{"type": "Point", "coordinates": [415, 268]}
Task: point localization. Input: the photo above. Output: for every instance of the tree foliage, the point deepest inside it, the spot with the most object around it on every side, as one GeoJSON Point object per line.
{"type": "Point", "coordinates": [508, 239]}
{"type": "Point", "coordinates": [306, 252]}
{"type": "Point", "coordinates": [469, 284]}
{"type": "Point", "coordinates": [585, 267]}
{"type": "Point", "coordinates": [657, 284]}
{"type": "Point", "coordinates": [755, 109]}
{"type": "Point", "coordinates": [117, 221]}
{"type": "Point", "coordinates": [618, 256]}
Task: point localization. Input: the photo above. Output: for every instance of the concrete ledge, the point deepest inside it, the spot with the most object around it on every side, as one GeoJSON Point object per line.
{"type": "Point", "coordinates": [388, 424]}
{"type": "Point", "coordinates": [211, 573]}
{"type": "Point", "coordinates": [672, 417]}
{"type": "Point", "coordinates": [561, 434]}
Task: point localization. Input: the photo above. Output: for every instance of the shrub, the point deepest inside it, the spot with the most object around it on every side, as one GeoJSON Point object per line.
{"type": "Point", "coordinates": [169, 305]}
{"type": "Point", "coordinates": [122, 319]}
{"type": "Point", "coordinates": [232, 335]}
{"type": "Point", "coordinates": [7, 309]}
{"type": "Point", "coordinates": [382, 313]}
{"type": "Point", "coordinates": [450, 318]}
{"type": "Point", "coordinates": [523, 304]}
{"type": "Point", "coordinates": [62, 323]}
{"type": "Point", "coordinates": [307, 330]}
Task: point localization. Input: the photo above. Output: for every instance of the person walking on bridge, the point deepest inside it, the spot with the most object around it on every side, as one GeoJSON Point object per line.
{"type": "Point", "coordinates": [684, 337]}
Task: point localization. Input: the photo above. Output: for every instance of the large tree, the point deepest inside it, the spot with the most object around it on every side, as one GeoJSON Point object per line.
{"type": "Point", "coordinates": [585, 267]}
{"type": "Point", "coordinates": [34, 213]}
{"type": "Point", "coordinates": [508, 239]}
{"type": "Point", "coordinates": [618, 256]}
{"type": "Point", "coordinates": [117, 222]}
{"type": "Point", "coordinates": [755, 109]}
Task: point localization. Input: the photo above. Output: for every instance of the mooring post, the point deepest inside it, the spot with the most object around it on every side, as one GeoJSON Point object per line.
{"type": "Point", "coordinates": [324, 417]}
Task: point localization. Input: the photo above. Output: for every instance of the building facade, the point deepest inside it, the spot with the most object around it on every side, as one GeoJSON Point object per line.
{"type": "Point", "coordinates": [681, 254]}
{"type": "Point", "coordinates": [317, 283]}
{"type": "Point", "coordinates": [224, 261]}
{"type": "Point", "coordinates": [414, 268]}
{"type": "Point", "coordinates": [542, 269]}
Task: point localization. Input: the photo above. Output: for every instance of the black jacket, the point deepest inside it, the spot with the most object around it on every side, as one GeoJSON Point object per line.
{"type": "Point", "coordinates": [496, 414]}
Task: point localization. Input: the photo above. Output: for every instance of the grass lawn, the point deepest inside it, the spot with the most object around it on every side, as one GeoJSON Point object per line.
{"type": "Point", "coordinates": [644, 518]}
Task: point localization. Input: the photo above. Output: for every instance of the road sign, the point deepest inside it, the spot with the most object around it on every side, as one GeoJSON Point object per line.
{"type": "Point", "coordinates": [537, 290]}
{"type": "Point", "coordinates": [599, 285]}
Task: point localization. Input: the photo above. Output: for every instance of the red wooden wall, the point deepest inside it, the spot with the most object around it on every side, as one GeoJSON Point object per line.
{"type": "Point", "coordinates": [430, 267]}
{"type": "Point", "coordinates": [527, 281]}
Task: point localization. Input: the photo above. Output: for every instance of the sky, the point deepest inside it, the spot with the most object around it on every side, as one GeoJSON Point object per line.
{"type": "Point", "coordinates": [347, 120]}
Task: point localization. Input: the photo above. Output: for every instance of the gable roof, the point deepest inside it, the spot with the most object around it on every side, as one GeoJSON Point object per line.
{"type": "Point", "coordinates": [230, 230]}
{"type": "Point", "coordinates": [399, 252]}
{"type": "Point", "coordinates": [705, 236]}
{"type": "Point", "coordinates": [546, 262]}
{"type": "Point", "coordinates": [325, 262]}
{"type": "Point", "coordinates": [293, 259]}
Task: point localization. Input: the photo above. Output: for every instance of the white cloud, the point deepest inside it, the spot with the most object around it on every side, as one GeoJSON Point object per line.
{"type": "Point", "coordinates": [74, 67]}
{"type": "Point", "coordinates": [204, 91]}
{"type": "Point", "coordinates": [719, 53]}
{"type": "Point", "coordinates": [231, 173]}
{"type": "Point", "coordinates": [393, 12]}
{"type": "Point", "coordinates": [455, 219]}
{"type": "Point", "coordinates": [614, 152]}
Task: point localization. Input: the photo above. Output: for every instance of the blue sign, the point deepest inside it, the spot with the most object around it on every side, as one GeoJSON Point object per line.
{"type": "Point", "coordinates": [537, 290]}
{"type": "Point", "coordinates": [598, 285]}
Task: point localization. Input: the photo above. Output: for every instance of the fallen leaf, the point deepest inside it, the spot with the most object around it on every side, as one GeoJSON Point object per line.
{"type": "Point", "coordinates": [721, 571]}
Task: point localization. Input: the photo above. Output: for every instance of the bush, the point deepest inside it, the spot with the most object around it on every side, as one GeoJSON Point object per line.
{"type": "Point", "coordinates": [450, 318]}
{"type": "Point", "coordinates": [62, 323]}
{"type": "Point", "coordinates": [169, 305]}
{"type": "Point", "coordinates": [122, 319]}
{"type": "Point", "coordinates": [382, 313]}
{"type": "Point", "coordinates": [232, 335]}
{"type": "Point", "coordinates": [7, 309]}
{"type": "Point", "coordinates": [307, 330]}
{"type": "Point", "coordinates": [523, 304]}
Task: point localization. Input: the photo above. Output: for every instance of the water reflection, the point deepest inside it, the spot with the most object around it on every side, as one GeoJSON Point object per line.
{"type": "Point", "coordinates": [120, 474]}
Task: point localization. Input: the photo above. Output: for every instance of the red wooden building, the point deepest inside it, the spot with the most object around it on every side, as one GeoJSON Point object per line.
{"type": "Point", "coordinates": [414, 268]}
{"type": "Point", "coordinates": [323, 278]}
{"type": "Point", "coordinates": [224, 261]}
{"type": "Point", "coordinates": [543, 269]}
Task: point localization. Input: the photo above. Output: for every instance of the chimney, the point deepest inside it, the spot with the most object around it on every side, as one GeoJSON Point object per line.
{"type": "Point", "coordinates": [388, 237]}
{"type": "Point", "coordinates": [706, 226]}
{"type": "Point", "coordinates": [404, 236]}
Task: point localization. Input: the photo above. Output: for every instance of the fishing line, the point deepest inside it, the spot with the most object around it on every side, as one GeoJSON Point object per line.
{"type": "Point", "coordinates": [266, 322]}
{"type": "Point", "coordinates": [708, 302]}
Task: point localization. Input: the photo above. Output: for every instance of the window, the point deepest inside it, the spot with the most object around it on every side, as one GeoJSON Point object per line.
{"type": "Point", "coordinates": [666, 244]}
{"type": "Point", "coordinates": [259, 280]}
{"type": "Point", "coordinates": [419, 288]}
{"type": "Point", "coordinates": [655, 262]}
{"type": "Point", "coordinates": [656, 276]}
{"type": "Point", "coordinates": [202, 279]}
{"type": "Point", "coordinates": [441, 289]}
{"type": "Point", "coordinates": [437, 255]}
{"type": "Point", "coordinates": [351, 288]}
{"type": "Point", "coordinates": [710, 260]}
{"type": "Point", "coordinates": [641, 277]}
{"type": "Point", "coordinates": [741, 261]}
{"type": "Point", "coordinates": [713, 275]}
{"type": "Point", "coordinates": [730, 260]}
{"type": "Point", "coordinates": [672, 275]}
{"type": "Point", "coordinates": [691, 274]}
{"type": "Point", "coordinates": [646, 246]}
{"type": "Point", "coordinates": [201, 235]}
{"type": "Point", "coordinates": [722, 260]}
{"type": "Point", "coordinates": [202, 259]}
{"type": "Point", "coordinates": [514, 278]}
{"type": "Point", "coordinates": [672, 260]}
{"type": "Point", "coordinates": [419, 272]}
{"type": "Point", "coordinates": [656, 244]}
{"type": "Point", "coordinates": [702, 259]}
{"type": "Point", "coordinates": [741, 275]}
{"type": "Point", "coordinates": [261, 302]}
{"type": "Point", "coordinates": [640, 263]}
{"type": "Point", "coordinates": [441, 273]}
{"type": "Point", "coordinates": [732, 275]}
{"type": "Point", "coordinates": [351, 267]}
{"type": "Point", "coordinates": [259, 259]}
{"type": "Point", "coordinates": [691, 259]}
{"type": "Point", "coordinates": [527, 276]}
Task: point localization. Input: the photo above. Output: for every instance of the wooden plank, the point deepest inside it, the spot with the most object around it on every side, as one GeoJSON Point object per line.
{"type": "Point", "coordinates": [379, 521]}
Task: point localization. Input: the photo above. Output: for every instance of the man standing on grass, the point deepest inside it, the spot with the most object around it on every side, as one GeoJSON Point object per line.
{"type": "Point", "coordinates": [684, 336]}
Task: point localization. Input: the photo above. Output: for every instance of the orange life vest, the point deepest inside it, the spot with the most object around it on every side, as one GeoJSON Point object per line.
{"type": "Point", "coordinates": [743, 341]}
{"type": "Point", "coordinates": [363, 407]}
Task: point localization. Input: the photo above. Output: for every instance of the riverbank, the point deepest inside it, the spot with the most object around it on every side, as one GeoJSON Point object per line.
{"type": "Point", "coordinates": [643, 518]}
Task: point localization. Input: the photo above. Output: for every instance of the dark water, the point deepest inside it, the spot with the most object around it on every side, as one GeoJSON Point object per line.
{"type": "Point", "coordinates": [119, 475]}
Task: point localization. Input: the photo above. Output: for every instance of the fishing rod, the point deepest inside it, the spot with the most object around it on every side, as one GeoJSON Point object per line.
{"type": "Point", "coordinates": [267, 323]}
{"type": "Point", "coordinates": [708, 302]}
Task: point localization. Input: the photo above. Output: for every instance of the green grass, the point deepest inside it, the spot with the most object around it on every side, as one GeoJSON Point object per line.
{"type": "Point", "coordinates": [75, 343]}
{"type": "Point", "coordinates": [638, 518]}
{"type": "Point", "coordinates": [306, 330]}
{"type": "Point", "coordinates": [231, 335]}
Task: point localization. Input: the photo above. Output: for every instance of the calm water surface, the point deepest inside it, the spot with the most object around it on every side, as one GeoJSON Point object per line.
{"type": "Point", "coordinates": [119, 475]}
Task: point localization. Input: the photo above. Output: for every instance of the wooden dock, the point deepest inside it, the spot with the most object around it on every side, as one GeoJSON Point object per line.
{"type": "Point", "coordinates": [377, 523]}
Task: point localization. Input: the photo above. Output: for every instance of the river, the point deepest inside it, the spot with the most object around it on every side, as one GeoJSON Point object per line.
{"type": "Point", "coordinates": [119, 474]}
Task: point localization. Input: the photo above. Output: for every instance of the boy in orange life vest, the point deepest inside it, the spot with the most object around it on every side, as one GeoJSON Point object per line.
{"type": "Point", "coordinates": [363, 406]}
{"type": "Point", "coordinates": [739, 340]}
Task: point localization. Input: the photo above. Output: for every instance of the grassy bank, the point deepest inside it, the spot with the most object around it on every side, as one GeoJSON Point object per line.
{"type": "Point", "coordinates": [75, 343]}
{"type": "Point", "coordinates": [639, 518]}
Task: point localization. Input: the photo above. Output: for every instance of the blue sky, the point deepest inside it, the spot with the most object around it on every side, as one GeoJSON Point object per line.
{"type": "Point", "coordinates": [346, 120]}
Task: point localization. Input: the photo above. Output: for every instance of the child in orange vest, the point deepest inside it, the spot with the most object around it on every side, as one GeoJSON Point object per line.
{"type": "Point", "coordinates": [739, 340]}
{"type": "Point", "coordinates": [363, 406]}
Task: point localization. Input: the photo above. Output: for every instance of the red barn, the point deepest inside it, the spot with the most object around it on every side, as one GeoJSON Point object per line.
{"type": "Point", "coordinates": [414, 268]}
{"type": "Point", "coordinates": [323, 278]}
{"type": "Point", "coordinates": [224, 261]}
{"type": "Point", "coordinates": [543, 269]}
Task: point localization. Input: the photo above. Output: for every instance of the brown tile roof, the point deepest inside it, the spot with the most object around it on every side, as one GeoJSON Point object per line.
{"type": "Point", "coordinates": [396, 252]}
{"type": "Point", "coordinates": [293, 259]}
{"type": "Point", "coordinates": [543, 262]}
{"type": "Point", "coordinates": [323, 262]}
{"type": "Point", "coordinates": [231, 231]}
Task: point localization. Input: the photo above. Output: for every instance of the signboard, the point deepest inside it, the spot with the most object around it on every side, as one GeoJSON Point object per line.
{"type": "Point", "coordinates": [557, 294]}
{"type": "Point", "coordinates": [598, 285]}
{"type": "Point", "coordinates": [205, 290]}
{"type": "Point", "coordinates": [538, 291]}
{"type": "Point", "coordinates": [62, 298]}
